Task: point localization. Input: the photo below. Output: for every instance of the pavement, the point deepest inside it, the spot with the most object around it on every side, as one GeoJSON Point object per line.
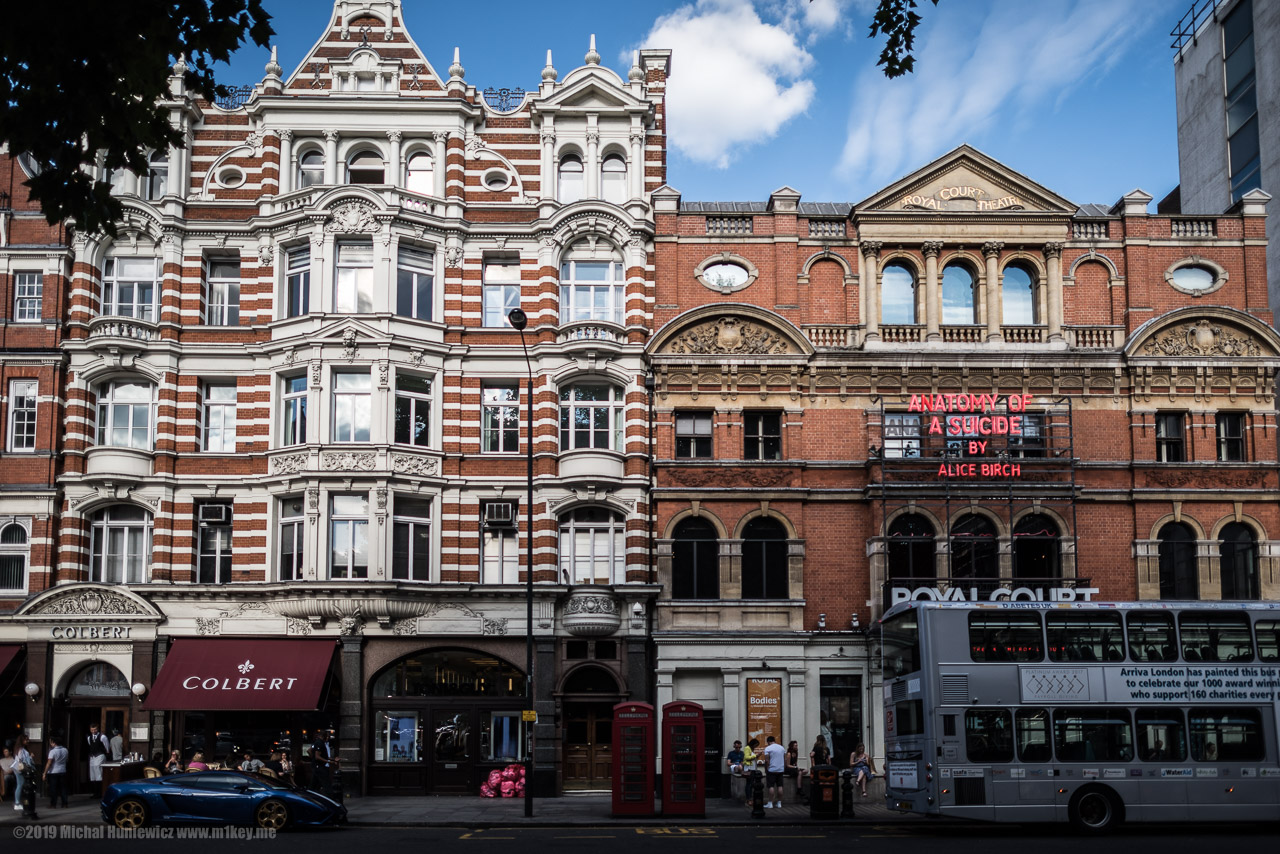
{"type": "Point", "coordinates": [587, 809]}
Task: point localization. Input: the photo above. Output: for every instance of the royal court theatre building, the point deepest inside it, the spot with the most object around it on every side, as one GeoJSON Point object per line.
{"type": "Point", "coordinates": [265, 451]}
{"type": "Point", "coordinates": [962, 387]}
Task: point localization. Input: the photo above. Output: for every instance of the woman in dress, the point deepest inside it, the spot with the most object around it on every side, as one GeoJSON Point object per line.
{"type": "Point", "coordinates": [864, 767]}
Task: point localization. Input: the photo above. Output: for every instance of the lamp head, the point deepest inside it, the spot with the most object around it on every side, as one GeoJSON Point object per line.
{"type": "Point", "coordinates": [518, 319]}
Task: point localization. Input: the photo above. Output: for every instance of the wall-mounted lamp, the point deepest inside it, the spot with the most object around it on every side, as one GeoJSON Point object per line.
{"type": "Point", "coordinates": [822, 621]}
{"type": "Point", "coordinates": [139, 690]}
{"type": "Point", "coordinates": [32, 690]}
{"type": "Point", "coordinates": [853, 621]}
{"type": "Point", "coordinates": [637, 615]}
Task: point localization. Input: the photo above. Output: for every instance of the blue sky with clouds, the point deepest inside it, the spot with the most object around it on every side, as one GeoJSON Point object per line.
{"type": "Point", "coordinates": [1076, 94]}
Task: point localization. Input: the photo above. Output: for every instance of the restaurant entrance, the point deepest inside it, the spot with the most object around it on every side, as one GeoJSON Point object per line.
{"type": "Point", "coordinates": [98, 694]}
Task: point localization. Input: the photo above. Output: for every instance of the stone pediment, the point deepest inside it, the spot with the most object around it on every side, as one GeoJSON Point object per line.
{"type": "Point", "coordinates": [966, 181]}
{"type": "Point", "coordinates": [1208, 333]}
{"type": "Point", "coordinates": [592, 89]}
{"type": "Point", "coordinates": [90, 601]}
{"type": "Point", "coordinates": [729, 331]}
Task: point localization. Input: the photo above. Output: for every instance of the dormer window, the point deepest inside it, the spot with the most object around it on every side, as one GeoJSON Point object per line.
{"type": "Point", "coordinates": [366, 168]}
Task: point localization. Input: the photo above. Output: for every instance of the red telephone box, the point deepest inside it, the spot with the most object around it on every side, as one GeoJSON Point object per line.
{"type": "Point", "coordinates": [634, 745]}
{"type": "Point", "coordinates": [683, 781]}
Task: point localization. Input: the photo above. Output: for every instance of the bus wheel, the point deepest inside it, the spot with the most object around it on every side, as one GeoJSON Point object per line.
{"type": "Point", "coordinates": [1096, 809]}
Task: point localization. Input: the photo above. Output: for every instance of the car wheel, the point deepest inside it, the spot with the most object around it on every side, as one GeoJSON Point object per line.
{"type": "Point", "coordinates": [271, 814]}
{"type": "Point", "coordinates": [1096, 810]}
{"type": "Point", "coordinates": [130, 814]}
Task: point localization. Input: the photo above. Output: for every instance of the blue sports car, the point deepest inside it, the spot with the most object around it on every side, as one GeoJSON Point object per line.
{"type": "Point", "coordinates": [218, 798]}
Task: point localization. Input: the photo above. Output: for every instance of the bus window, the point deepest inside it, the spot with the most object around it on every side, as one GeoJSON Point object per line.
{"type": "Point", "coordinates": [900, 644]}
{"type": "Point", "coordinates": [1092, 735]}
{"type": "Point", "coordinates": [1161, 735]}
{"type": "Point", "coordinates": [1215, 636]}
{"type": "Point", "coordinates": [909, 717]}
{"type": "Point", "coordinates": [1005, 637]}
{"type": "Point", "coordinates": [1226, 735]}
{"type": "Point", "coordinates": [1033, 736]}
{"type": "Point", "coordinates": [1151, 636]}
{"type": "Point", "coordinates": [1085, 636]}
{"type": "Point", "coordinates": [988, 735]}
{"type": "Point", "coordinates": [1268, 632]}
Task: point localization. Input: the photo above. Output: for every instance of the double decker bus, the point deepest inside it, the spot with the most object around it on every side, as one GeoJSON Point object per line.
{"type": "Point", "coordinates": [1088, 712]}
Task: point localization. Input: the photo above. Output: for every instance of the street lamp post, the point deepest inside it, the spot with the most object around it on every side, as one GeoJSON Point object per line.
{"type": "Point", "coordinates": [519, 320]}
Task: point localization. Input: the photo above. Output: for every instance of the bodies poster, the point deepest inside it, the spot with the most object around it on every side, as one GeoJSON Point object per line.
{"type": "Point", "coordinates": [764, 709]}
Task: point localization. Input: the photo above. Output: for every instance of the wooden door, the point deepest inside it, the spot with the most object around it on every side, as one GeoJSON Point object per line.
{"type": "Point", "coordinates": [588, 746]}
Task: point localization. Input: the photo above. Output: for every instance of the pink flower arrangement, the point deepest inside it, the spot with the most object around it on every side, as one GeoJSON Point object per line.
{"type": "Point", "coordinates": [504, 782]}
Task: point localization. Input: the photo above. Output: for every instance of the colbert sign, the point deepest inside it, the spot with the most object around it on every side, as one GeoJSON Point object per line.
{"type": "Point", "coordinates": [242, 674]}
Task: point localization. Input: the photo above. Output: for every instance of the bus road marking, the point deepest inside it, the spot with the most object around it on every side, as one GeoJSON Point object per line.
{"type": "Point", "coordinates": [678, 831]}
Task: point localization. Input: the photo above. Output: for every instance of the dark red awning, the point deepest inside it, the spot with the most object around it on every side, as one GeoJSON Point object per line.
{"type": "Point", "coordinates": [7, 653]}
{"type": "Point", "coordinates": [242, 675]}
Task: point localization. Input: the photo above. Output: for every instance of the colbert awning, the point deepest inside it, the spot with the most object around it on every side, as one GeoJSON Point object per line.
{"type": "Point", "coordinates": [7, 653]}
{"type": "Point", "coordinates": [242, 675]}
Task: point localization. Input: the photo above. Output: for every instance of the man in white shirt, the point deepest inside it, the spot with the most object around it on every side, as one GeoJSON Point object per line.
{"type": "Point", "coordinates": [775, 764]}
{"type": "Point", "coordinates": [55, 772]}
{"type": "Point", "coordinates": [96, 749]}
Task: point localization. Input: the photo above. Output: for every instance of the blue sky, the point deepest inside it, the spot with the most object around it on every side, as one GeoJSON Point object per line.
{"type": "Point", "coordinates": [1076, 94]}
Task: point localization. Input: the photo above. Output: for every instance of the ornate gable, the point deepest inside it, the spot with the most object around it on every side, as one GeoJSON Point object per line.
{"type": "Point", "coordinates": [729, 330]}
{"type": "Point", "coordinates": [88, 600]}
{"type": "Point", "coordinates": [966, 181]}
{"type": "Point", "coordinates": [1199, 333]}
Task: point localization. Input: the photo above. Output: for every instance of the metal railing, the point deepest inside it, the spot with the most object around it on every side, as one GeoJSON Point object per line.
{"type": "Point", "coordinates": [504, 100]}
{"type": "Point", "coordinates": [236, 97]}
{"type": "Point", "coordinates": [1186, 28]}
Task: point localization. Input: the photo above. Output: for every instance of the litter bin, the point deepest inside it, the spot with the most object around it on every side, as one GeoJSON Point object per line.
{"type": "Point", "coordinates": [824, 792]}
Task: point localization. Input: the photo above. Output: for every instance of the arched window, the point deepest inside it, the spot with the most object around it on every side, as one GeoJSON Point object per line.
{"type": "Point", "coordinates": [1238, 556]}
{"type": "Point", "coordinates": [910, 550]}
{"type": "Point", "coordinates": [310, 169]}
{"type": "Point", "coordinates": [695, 560]}
{"type": "Point", "coordinates": [1018, 296]}
{"type": "Point", "coordinates": [158, 175]}
{"type": "Point", "coordinates": [123, 182]}
{"type": "Point", "coordinates": [449, 673]}
{"type": "Point", "coordinates": [764, 560]}
{"type": "Point", "coordinates": [591, 416]}
{"type": "Point", "coordinates": [974, 549]}
{"type": "Point", "coordinates": [897, 295]}
{"type": "Point", "coordinates": [592, 285]}
{"type": "Point", "coordinates": [957, 295]}
{"type": "Point", "coordinates": [366, 167]}
{"type": "Point", "coordinates": [419, 175]}
{"type": "Point", "coordinates": [593, 546]}
{"type": "Point", "coordinates": [570, 183]}
{"type": "Point", "coordinates": [120, 548]}
{"type": "Point", "coordinates": [613, 179]}
{"type": "Point", "coordinates": [14, 550]}
{"type": "Point", "coordinates": [1179, 578]}
{"type": "Point", "coordinates": [126, 411]}
{"type": "Point", "coordinates": [98, 680]}
{"type": "Point", "coordinates": [1036, 552]}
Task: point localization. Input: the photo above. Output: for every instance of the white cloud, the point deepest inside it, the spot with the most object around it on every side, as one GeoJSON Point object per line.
{"type": "Point", "coordinates": [973, 70]}
{"type": "Point", "coordinates": [735, 79]}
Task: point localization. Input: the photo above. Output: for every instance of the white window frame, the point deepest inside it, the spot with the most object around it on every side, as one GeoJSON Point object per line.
{"type": "Point", "coordinates": [499, 551]}
{"type": "Point", "coordinates": [218, 418]}
{"type": "Point", "coordinates": [613, 181]}
{"type": "Point", "coordinates": [112, 407]}
{"type": "Point", "coordinates": [415, 179]}
{"type": "Point", "coordinates": [614, 406]}
{"type": "Point", "coordinates": [297, 282]}
{"type": "Point", "coordinates": [353, 277]}
{"type": "Point", "coordinates": [222, 293]}
{"type": "Point", "coordinates": [22, 551]}
{"type": "Point", "coordinates": [291, 530]}
{"type": "Point", "coordinates": [113, 283]}
{"type": "Point", "coordinates": [493, 413]}
{"type": "Point", "coordinates": [346, 527]}
{"type": "Point", "coordinates": [412, 522]}
{"type": "Point", "coordinates": [593, 299]}
{"type": "Point", "coordinates": [415, 272]}
{"type": "Point", "coordinates": [293, 411]}
{"type": "Point", "coordinates": [28, 296]}
{"type": "Point", "coordinates": [575, 189]}
{"type": "Point", "coordinates": [419, 403]}
{"type": "Point", "coordinates": [605, 543]}
{"type": "Point", "coordinates": [218, 553]}
{"type": "Point", "coordinates": [362, 152]}
{"type": "Point", "coordinates": [135, 567]}
{"type": "Point", "coordinates": [500, 287]}
{"type": "Point", "coordinates": [309, 173]}
{"type": "Point", "coordinates": [156, 181]}
{"type": "Point", "coordinates": [24, 411]}
{"type": "Point", "coordinates": [352, 406]}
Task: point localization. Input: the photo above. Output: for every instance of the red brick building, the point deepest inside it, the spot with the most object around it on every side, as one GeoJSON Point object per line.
{"type": "Point", "coordinates": [963, 386]}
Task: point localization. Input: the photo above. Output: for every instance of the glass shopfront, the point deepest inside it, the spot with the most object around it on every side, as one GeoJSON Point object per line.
{"type": "Point", "coordinates": [442, 720]}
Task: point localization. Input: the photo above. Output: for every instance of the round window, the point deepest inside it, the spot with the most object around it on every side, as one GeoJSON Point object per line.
{"type": "Point", "coordinates": [230, 176]}
{"type": "Point", "coordinates": [726, 277]}
{"type": "Point", "coordinates": [497, 180]}
{"type": "Point", "coordinates": [1193, 277]}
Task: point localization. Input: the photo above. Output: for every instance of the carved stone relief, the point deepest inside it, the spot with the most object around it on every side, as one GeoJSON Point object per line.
{"type": "Point", "coordinates": [1202, 338]}
{"type": "Point", "coordinates": [729, 336]}
{"type": "Point", "coordinates": [411, 464]}
{"type": "Point", "coordinates": [352, 218]}
{"type": "Point", "coordinates": [348, 461]}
